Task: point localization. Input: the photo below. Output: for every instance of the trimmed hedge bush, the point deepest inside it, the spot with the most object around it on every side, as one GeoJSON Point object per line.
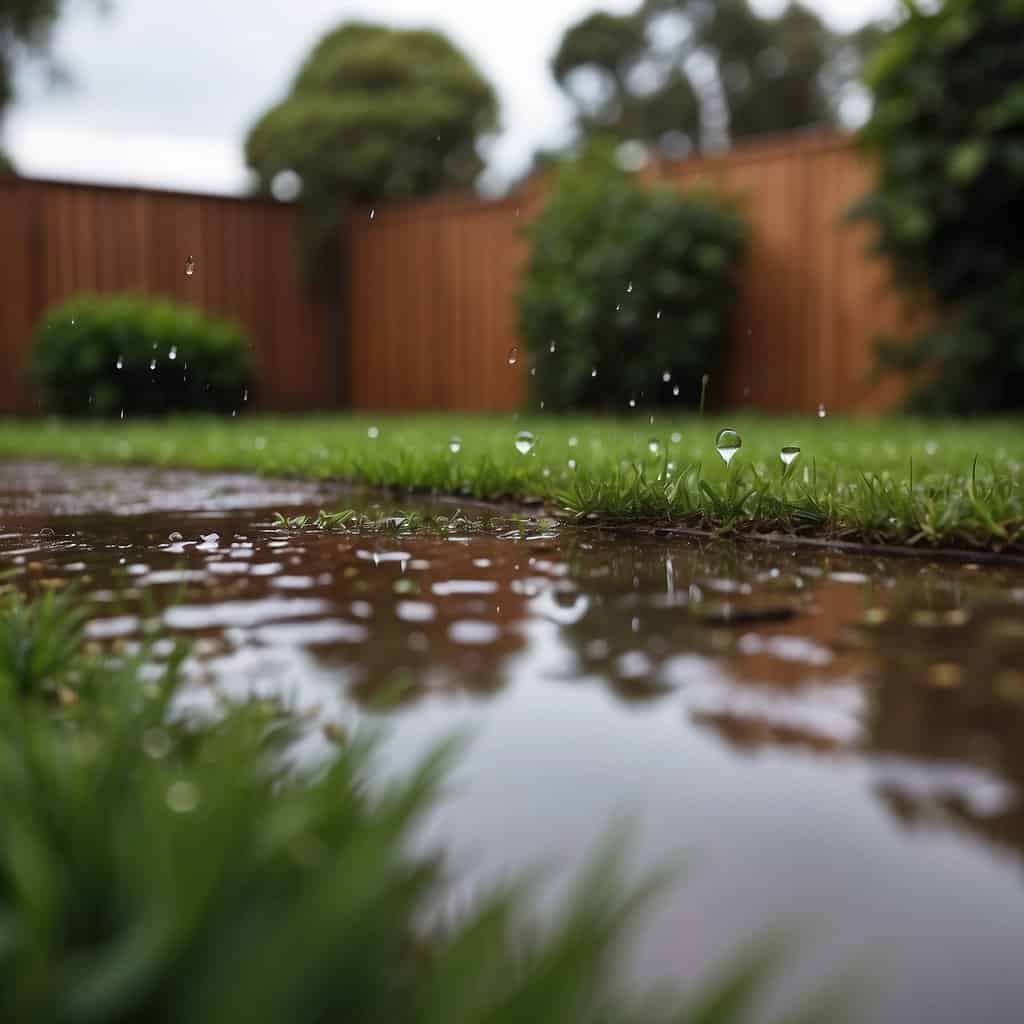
{"type": "Point", "coordinates": [637, 284]}
{"type": "Point", "coordinates": [948, 132]}
{"type": "Point", "coordinates": [97, 356]}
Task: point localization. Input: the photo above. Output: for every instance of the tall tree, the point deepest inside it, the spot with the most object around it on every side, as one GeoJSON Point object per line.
{"type": "Point", "coordinates": [374, 113]}
{"type": "Point", "coordinates": [678, 71]}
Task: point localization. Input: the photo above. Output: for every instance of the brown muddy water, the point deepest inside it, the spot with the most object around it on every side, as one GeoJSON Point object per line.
{"type": "Point", "coordinates": [834, 745]}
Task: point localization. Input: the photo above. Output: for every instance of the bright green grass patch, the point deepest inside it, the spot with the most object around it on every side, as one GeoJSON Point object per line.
{"type": "Point", "coordinates": [891, 481]}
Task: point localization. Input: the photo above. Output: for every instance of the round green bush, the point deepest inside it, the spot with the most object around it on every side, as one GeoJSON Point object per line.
{"type": "Point", "coordinates": [104, 355]}
{"type": "Point", "coordinates": [947, 130]}
{"type": "Point", "coordinates": [629, 291]}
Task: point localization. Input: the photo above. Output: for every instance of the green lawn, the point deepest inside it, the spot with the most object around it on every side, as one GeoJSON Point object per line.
{"type": "Point", "coordinates": [885, 481]}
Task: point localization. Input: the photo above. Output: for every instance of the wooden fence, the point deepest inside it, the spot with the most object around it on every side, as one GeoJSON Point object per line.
{"type": "Point", "coordinates": [61, 239]}
{"type": "Point", "coordinates": [431, 291]}
{"type": "Point", "coordinates": [433, 312]}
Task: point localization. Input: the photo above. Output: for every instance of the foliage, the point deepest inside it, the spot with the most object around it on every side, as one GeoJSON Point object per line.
{"type": "Point", "coordinates": [374, 113]}
{"type": "Point", "coordinates": [948, 132]}
{"type": "Point", "coordinates": [634, 283]}
{"type": "Point", "coordinates": [677, 71]}
{"type": "Point", "coordinates": [101, 356]}
{"type": "Point", "coordinates": [159, 868]}
{"type": "Point", "coordinates": [891, 480]}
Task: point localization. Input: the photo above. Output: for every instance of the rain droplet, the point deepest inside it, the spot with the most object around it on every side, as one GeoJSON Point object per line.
{"type": "Point", "coordinates": [373, 433]}
{"type": "Point", "coordinates": [156, 743]}
{"type": "Point", "coordinates": [572, 465]}
{"type": "Point", "coordinates": [120, 363]}
{"type": "Point", "coordinates": [455, 445]}
{"type": "Point", "coordinates": [657, 316]}
{"type": "Point", "coordinates": [245, 395]}
{"type": "Point", "coordinates": [525, 442]}
{"type": "Point", "coordinates": [632, 403]}
{"type": "Point", "coordinates": [789, 453]}
{"type": "Point", "coordinates": [573, 441]}
{"type": "Point", "coordinates": [173, 354]}
{"type": "Point", "coordinates": [152, 364]}
{"type": "Point", "coordinates": [513, 355]}
{"type": "Point", "coordinates": [629, 288]}
{"type": "Point", "coordinates": [728, 443]}
{"type": "Point", "coordinates": [822, 411]}
{"type": "Point", "coordinates": [182, 796]}
{"type": "Point", "coordinates": [552, 347]}
{"type": "Point", "coordinates": [676, 437]}
{"type": "Point", "coordinates": [373, 213]}
{"type": "Point", "coordinates": [654, 446]}
{"type": "Point", "coordinates": [533, 371]}
{"type": "Point", "coordinates": [675, 391]}
{"type": "Point", "coordinates": [593, 371]}
{"type": "Point", "coordinates": [618, 306]}
{"type": "Point", "coordinates": [190, 266]}
{"type": "Point", "coordinates": [666, 376]}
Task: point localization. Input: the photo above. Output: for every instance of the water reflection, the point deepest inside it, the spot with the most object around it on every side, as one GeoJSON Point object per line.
{"type": "Point", "coordinates": [846, 718]}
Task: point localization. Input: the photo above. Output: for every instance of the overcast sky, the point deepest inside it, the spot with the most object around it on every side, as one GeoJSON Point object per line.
{"type": "Point", "coordinates": [164, 89]}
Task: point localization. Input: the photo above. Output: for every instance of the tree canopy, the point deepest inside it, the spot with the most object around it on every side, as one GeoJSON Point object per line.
{"type": "Point", "coordinates": [377, 113]}
{"type": "Point", "coordinates": [678, 72]}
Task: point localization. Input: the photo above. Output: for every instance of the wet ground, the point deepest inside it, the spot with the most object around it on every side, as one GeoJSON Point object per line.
{"type": "Point", "coordinates": [835, 744]}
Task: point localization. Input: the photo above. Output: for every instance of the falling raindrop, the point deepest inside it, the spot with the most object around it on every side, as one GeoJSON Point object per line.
{"type": "Point", "coordinates": [513, 355]}
{"type": "Point", "coordinates": [593, 371]}
{"type": "Point", "coordinates": [122, 414]}
{"type": "Point", "coordinates": [728, 443]}
{"type": "Point", "coordinates": [120, 363]}
{"type": "Point", "coordinates": [657, 316]}
{"type": "Point", "coordinates": [789, 453]}
{"type": "Point", "coordinates": [666, 376]}
{"type": "Point", "coordinates": [822, 411]}
{"type": "Point", "coordinates": [654, 446]}
{"type": "Point", "coordinates": [245, 395]}
{"type": "Point", "coordinates": [629, 288]}
{"type": "Point", "coordinates": [632, 403]}
{"type": "Point", "coordinates": [455, 445]}
{"type": "Point", "coordinates": [190, 266]}
{"type": "Point", "coordinates": [675, 391]}
{"type": "Point", "coordinates": [373, 213]}
{"type": "Point", "coordinates": [373, 433]}
{"type": "Point", "coordinates": [618, 306]}
{"type": "Point", "coordinates": [152, 364]}
{"type": "Point", "coordinates": [551, 347]}
{"type": "Point", "coordinates": [525, 442]}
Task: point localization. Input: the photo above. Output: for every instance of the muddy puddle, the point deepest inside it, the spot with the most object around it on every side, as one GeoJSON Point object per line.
{"type": "Point", "coordinates": [834, 745]}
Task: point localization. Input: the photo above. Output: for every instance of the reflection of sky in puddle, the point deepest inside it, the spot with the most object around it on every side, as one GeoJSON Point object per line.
{"type": "Point", "coordinates": [836, 743]}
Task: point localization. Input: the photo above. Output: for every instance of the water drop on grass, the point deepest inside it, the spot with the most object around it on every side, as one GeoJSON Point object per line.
{"type": "Point", "coordinates": [727, 444]}
{"type": "Point", "coordinates": [373, 433]}
{"type": "Point", "coordinates": [513, 355]}
{"type": "Point", "coordinates": [573, 441]}
{"type": "Point", "coordinates": [524, 442]}
{"type": "Point", "coordinates": [455, 445]}
{"type": "Point", "coordinates": [190, 266]}
{"type": "Point", "coordinates": [572, 465]}
{"type": "Point", "coordinates": [789, 453]}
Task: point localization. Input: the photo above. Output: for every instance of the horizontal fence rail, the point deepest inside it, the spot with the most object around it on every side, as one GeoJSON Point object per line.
{"type": "Point", "coordinates": [430, 288]}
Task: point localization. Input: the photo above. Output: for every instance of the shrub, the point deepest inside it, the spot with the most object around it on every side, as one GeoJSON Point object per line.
{"type": "Point", "coordinates": [948, 132]}
{"type": "Point", "coordinates": [631, 282]}
{"type": "Point", "coordinates": [101, 355]}
{"type": "Point", "coordinates": [154, 870]}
